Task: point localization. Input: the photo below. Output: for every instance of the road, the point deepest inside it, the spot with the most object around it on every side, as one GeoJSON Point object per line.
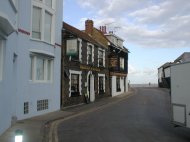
{"type": "Point", "coordinates": [144, 117]}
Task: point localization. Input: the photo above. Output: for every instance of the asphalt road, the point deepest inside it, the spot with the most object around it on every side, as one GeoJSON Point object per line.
{"type": "Point", "coordinates": [144, 117]}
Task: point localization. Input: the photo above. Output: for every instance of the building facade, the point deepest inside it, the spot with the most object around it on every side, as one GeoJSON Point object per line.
{"type": "Point", "coordinates": [30, 58]}
{"type": "Point", "coordinates": [84, 68]}
{"type": "Point", "coordinates": [117, 58]}
{"type": "Point", "coordinates": [118, 65]}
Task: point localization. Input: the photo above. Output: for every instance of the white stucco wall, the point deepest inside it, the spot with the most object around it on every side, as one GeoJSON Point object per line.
{"type": "Point", "coordinates": [114, 89]}
{"type": "Point", "coordinates": [16, 86]}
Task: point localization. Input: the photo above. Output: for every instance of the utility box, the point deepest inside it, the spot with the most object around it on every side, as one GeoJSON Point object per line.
{"type": "Point", "coordinates": [180, 94]}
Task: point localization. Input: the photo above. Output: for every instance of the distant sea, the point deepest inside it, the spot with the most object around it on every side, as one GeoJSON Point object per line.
{"type": "Point", "coordinates": [144, 85]}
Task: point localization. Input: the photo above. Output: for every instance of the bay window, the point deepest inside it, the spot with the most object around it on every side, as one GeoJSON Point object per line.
{"type": "Point", "coordinates": [47, 27]}
{"type": "Point", "coordinates": [41, 68]}
{"type": "Point", "coordinates": [43, 20]}
{"type": "Point", "coordinates": [36, 23]}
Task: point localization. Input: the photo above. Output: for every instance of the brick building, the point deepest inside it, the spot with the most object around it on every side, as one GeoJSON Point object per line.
{"type": "Point", "coordinates": [84, 66]}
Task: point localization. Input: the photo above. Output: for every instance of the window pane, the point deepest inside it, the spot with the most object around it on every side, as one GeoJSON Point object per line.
{"type": "Point", "coordinates": [74, 83]}
{"type": "Point", "coordinates": [47, 30]}
{"type": "Point", "coordinates": [49, 70]}
{"type": "Point", "coordinates": [36, 23]}
{"type": "Point", "coordinates": [40, 69]}
{"type": "Point", "coordinates": [100, 58]}
{"type": "Point", "coordinates": [89, 52]}
{"type": "Point", "coordinates": [49, 3]}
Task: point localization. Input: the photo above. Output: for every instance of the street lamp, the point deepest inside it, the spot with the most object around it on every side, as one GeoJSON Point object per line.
{"type": "Point", "coordinates": [18, 135]}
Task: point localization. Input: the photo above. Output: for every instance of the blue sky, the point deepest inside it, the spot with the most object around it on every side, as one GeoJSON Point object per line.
{"type": "Point", "coordinates": [155, 31]}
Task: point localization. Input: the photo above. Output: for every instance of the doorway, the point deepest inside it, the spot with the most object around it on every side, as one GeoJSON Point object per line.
{"type": "Point", "coordinates": [90, 87]}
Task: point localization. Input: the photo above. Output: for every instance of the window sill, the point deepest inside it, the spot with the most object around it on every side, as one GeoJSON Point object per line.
{"type": "Point", "coordinates": [45, 82]}
{"type": "Point", "coordinates": [38, 40]}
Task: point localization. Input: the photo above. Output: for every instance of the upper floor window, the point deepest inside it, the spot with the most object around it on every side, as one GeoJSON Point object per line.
{"type": "Point", "coordinates": [73, 49]}
{"type": "Point", "coordinates": [121, 63]}
{"type": "Point", "coordinates": [41, 68]}
{"type": "Point", "coordinates": [43, 20]}
{"type": "Point", "coordinates": [1, 60]}
{"type": "Point", "coordinates": [89, 54]}
{"type": "Point", "coordinates": [101, 57]}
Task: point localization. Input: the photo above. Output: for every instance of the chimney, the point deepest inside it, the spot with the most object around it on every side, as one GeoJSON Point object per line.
{"type": "Point", "coordinates": [89, 25]}
{"type": "Point", "coordinates": [103, 29]}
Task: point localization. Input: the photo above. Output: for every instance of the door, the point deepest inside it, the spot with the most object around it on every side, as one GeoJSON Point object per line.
{"type": "Point", "coordinates": [91, 87]}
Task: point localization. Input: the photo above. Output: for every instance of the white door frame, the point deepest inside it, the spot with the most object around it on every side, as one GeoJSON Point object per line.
{"type": "Point", "coordinates": [91, 94]}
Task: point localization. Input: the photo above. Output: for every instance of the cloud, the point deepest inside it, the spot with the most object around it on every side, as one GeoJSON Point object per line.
{"type": "Point", "coordinates": [146, 23]}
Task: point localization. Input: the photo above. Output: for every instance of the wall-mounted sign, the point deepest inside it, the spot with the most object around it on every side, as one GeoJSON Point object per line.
{"type": "Point", "coordinates": [113, 62]}
{"type": "Point", "coordinates": [118, 74]}
{"type": "Point", "coordinates": [85, 67]}
{"type": "Point", "coordinates": [72, 47]}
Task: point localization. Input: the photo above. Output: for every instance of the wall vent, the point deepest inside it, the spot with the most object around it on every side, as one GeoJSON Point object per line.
{"type": "Point", "coordinates": [26, 107]}
{"type": "Point", "coordinates": [42, 105]}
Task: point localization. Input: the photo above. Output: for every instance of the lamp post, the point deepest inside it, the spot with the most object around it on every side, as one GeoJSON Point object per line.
{"type": "Point", "coordinates": [18, 136]}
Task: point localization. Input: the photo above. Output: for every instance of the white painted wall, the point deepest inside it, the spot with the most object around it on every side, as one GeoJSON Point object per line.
{"type": "Point", "coordinates": [114, 89]}
{"type": "Point", "coordinates": [16, 87]}
{"type": "Point", "coordinates": [180, 88]}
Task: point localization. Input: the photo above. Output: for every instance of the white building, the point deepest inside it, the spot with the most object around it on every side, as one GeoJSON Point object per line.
{"type": "Point", "coordinates": [30, 58]}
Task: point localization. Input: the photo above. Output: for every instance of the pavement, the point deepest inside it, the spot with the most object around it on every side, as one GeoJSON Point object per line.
{"type": "Point", "coordinates": [43, 128]}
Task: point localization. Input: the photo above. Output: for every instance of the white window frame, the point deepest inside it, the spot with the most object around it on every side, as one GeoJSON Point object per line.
{"type": "Point", "coordinates": [32, 76]}
{"type": "Point", "coordinates": [101, 75]}
{"type": "Point", "coordinates": [42, 5]}
{"type": "Point", "coordinates": [1, 59]}
{"type": "Point", "coordinates": [80, 81]}
{"type": "Point", "coordinates": [100, 49]}
{"type": "Point", "coordinates": [89, 44]}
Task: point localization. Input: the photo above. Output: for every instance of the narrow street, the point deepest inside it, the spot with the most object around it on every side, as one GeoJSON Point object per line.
{"type": "Point", "coordinates": [144, 117]}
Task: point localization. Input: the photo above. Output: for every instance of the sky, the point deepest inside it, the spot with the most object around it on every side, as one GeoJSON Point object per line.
{"type": "Point", "coordinates": [155, 31]}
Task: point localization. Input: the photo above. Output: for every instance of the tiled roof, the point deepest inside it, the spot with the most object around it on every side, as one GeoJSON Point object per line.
{"type": "Point", "coordinates": [78, 33]}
